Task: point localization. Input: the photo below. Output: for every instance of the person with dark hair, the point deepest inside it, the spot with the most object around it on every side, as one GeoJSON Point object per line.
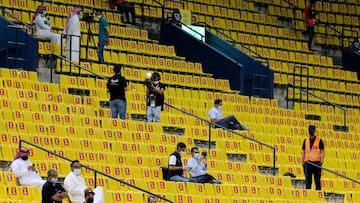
{"type": "Point", "coordinates": [117, 86]}
{"type": "Point", "coordinates": [89, 195]}
{"type": "Point", "coordinates": [24, 170]}
{"type": "Point", "coordinates": [155, 98]}
{"type": "Point", "coordinates": [229, 122]}
{"type": "Point", "coordinates": [198, 167]}
{"type": "Point", "coordinates": [176, 168]}
{"type": "Point", "coordinates": [75, 185]}
{"type": "Point", "coordinates": [103, 35]}
{"type": "Point", "coordinates": [52, 191]}
{"type": "Point", "coordinates": [313, 151]}
{"type": "Point", "coordinates": [310, 22]}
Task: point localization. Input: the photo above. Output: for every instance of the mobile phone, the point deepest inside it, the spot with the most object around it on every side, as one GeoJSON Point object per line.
{"type": "Point", "coordinates": [204, 154]}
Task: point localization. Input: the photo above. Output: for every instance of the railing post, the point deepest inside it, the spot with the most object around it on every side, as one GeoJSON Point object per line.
{"type": "Point", "coordinates": [95, 176]}
{"type": "Point", "coordinates": [345, 127]}
{"type": "Point", "coordinates": [274, 161]}
{"type": "Point", "coordinates": [20, 144]}
{"type": "Point", "coordinates": [51, 67]}
{"type": "Point", "coordinates": [209, 143]}
{"type": "Point", "coordinates": [287, 96]}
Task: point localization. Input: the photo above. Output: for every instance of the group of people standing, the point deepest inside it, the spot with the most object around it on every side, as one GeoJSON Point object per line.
{"type": "Point", "coordinates": [72, 32]}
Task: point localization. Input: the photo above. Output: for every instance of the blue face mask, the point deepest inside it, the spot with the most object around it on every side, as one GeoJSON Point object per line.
{"type": "Point", "coordinates": [53, 180]}
{"type": "Point", "coordinates": [196, 156]}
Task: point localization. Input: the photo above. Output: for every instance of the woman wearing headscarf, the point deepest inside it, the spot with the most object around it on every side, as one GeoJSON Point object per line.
{"type": "Point", "coordinates": [72, 28]}
{"type": "Point", "coordinates": [42, 26]}
{"type": "Point", "coordinates": [24, 170]}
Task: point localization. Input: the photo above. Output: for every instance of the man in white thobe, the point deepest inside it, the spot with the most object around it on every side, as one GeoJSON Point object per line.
{"type": "Point", "coordinates": [72, 28]}
{"type": "Point", "coordinates": [75, 185]}
{"type": "Point", "coordinates": [42, 26]}
{"type": "Point", "coordinates": [24, 170]}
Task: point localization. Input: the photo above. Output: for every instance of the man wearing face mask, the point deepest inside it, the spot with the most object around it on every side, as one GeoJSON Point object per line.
{"type": "Point", "coordinates": [176, 168]}
{"type": "Point", "coordinates": [89, 195]}
{"type": "Point", "coordinates": [52, 191]}
{"type": "Point", "coordinates": [24, 170]}
{"type": "Point", "coordinates": [198, 167]}
{"type": "Point", "coordinates": [103, 35]}
{"type": "Point", "coordinates": [155, 98]}
{"type": "Point", "coordinates": [72, 28]}
{"type": "Point", "coordinates": [42, 26]}
{"type": "Point", "coordinates": [229, 122]}
{"type": "Point", "coordinates": [75, 185]}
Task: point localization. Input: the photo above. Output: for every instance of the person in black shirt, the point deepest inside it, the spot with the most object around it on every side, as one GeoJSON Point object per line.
{"type": "Point", "coordinates": [52, 191]}
{"type": "Point", "coordinates": [155, 98]}
{"type": "Point", "coordinates": [176, 168]}
{"type": "Point", "coordinates": [117, 86]}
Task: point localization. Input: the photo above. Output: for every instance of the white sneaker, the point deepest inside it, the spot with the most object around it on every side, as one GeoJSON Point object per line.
{"type": "Point", "coordinates": [244, 127]}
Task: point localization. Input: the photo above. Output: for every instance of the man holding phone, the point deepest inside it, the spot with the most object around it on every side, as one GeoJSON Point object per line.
{"type": "Point", "coordinates": [198, 166]}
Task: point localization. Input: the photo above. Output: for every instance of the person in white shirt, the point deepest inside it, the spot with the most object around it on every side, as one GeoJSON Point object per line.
{"type": "Point", "coordinates": [72, 28]}
{"type": "Point", "coordinates": [229, 122]}
{"type": "Point", "coordinates": [75, 185]}
{"type": "Point", "coordinates": [176, 168]}
{"type": "Point", "coordinates": [198, 167]}
{"type": "Point", "coordinates": [24, 170]}
{"type": "Point", "coordinates": [42, 26]}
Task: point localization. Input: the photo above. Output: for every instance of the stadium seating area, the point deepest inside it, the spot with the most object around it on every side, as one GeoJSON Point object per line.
{"type": "Point", "coordinates": [78, 127]}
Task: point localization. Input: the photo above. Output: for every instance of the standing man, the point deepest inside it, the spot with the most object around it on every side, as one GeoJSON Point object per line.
{"type": "Point", "coordinates": [75, 185]}
{"type": "Point", "coordinates": [229, 122]}
{"type": "Point", "coordinates": [313, 151]}
{"type": "Point", "coordinates": [198, 167]}
{"type": "Point", "coordinates": [176, 168]}
{"type": "Point", "coordinates": [310, 22]}
{"type": "Point", "coordinates": [24, 170]}
{"type": "Point", "coordinates": [117, 86]}
{"type": "Point", "coordinates": [72, 28]}
{"type": "Point", "coordinates": [155, 98]}
{"type": "Point", "coordinates": [52, 191]}
{"type": "Point", "coordinates": [103, 35]}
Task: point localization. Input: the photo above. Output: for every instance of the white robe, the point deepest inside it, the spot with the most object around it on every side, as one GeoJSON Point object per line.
{"type": "Point", "coordinates": [43, 29]}
{"type": "Point", "coordinates": [74, 29]}
{"type": "Point", "coordinates": [26, 177]}
{"type": "Point", "coordinates": [75, 186]}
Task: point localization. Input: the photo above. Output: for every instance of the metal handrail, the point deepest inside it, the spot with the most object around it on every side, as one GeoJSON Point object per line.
{"type": "Point", "coordinates": [318, 97]}
{"type": "Point", "coordinates": [94, 170]}
{"type": "Point", "coordinates": [17, 19]}
{"type": "Point", "coordinates": [334, 172]}
{"type": "Point", "coordinates": [229, 130]}
{"type": "Point", "coordinates": [77, 65]}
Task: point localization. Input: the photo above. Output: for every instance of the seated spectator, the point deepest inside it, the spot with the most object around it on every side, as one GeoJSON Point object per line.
{"type": "Point", "coordinates": [42, 26]}
{"type": "Point", "coordinates": [75, 186]}
{"type": "Point", "coordinates": [176, 168]}
{"type": "Point", "coordinates": [198, 167]}
{"type": "Point", "coordinates": [52, 191]}
{"type": "Point", "coordinates": [229, 122]}
{"type": "Point", "coordinates": [24, 170]}
{"type": "Point", "coordinates": [89, 195]}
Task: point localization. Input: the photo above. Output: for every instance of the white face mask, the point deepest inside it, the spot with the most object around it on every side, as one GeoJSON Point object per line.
{"type": "Point", "coordinates": [182, 153]}
{"type": "Point", "coordinates": [98, 16]}
{"type": "Point", "coordinates": [156, 82]}
{"type": "Point", "coordinates": [77, 171]}
{"type": "Point", "coordinates": [220, 107]}
{"type": "Point", "coordinates": [196, 156]}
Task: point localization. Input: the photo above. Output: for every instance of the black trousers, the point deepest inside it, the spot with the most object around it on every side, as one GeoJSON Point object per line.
{"type": "Point", "coordinates": [309, 171]}
{"type": "Point", "coordinates": [311, 33]}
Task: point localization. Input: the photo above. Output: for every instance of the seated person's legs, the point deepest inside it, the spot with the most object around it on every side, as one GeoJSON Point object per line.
{"type": "Point", "coordinates": [178, 178]}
